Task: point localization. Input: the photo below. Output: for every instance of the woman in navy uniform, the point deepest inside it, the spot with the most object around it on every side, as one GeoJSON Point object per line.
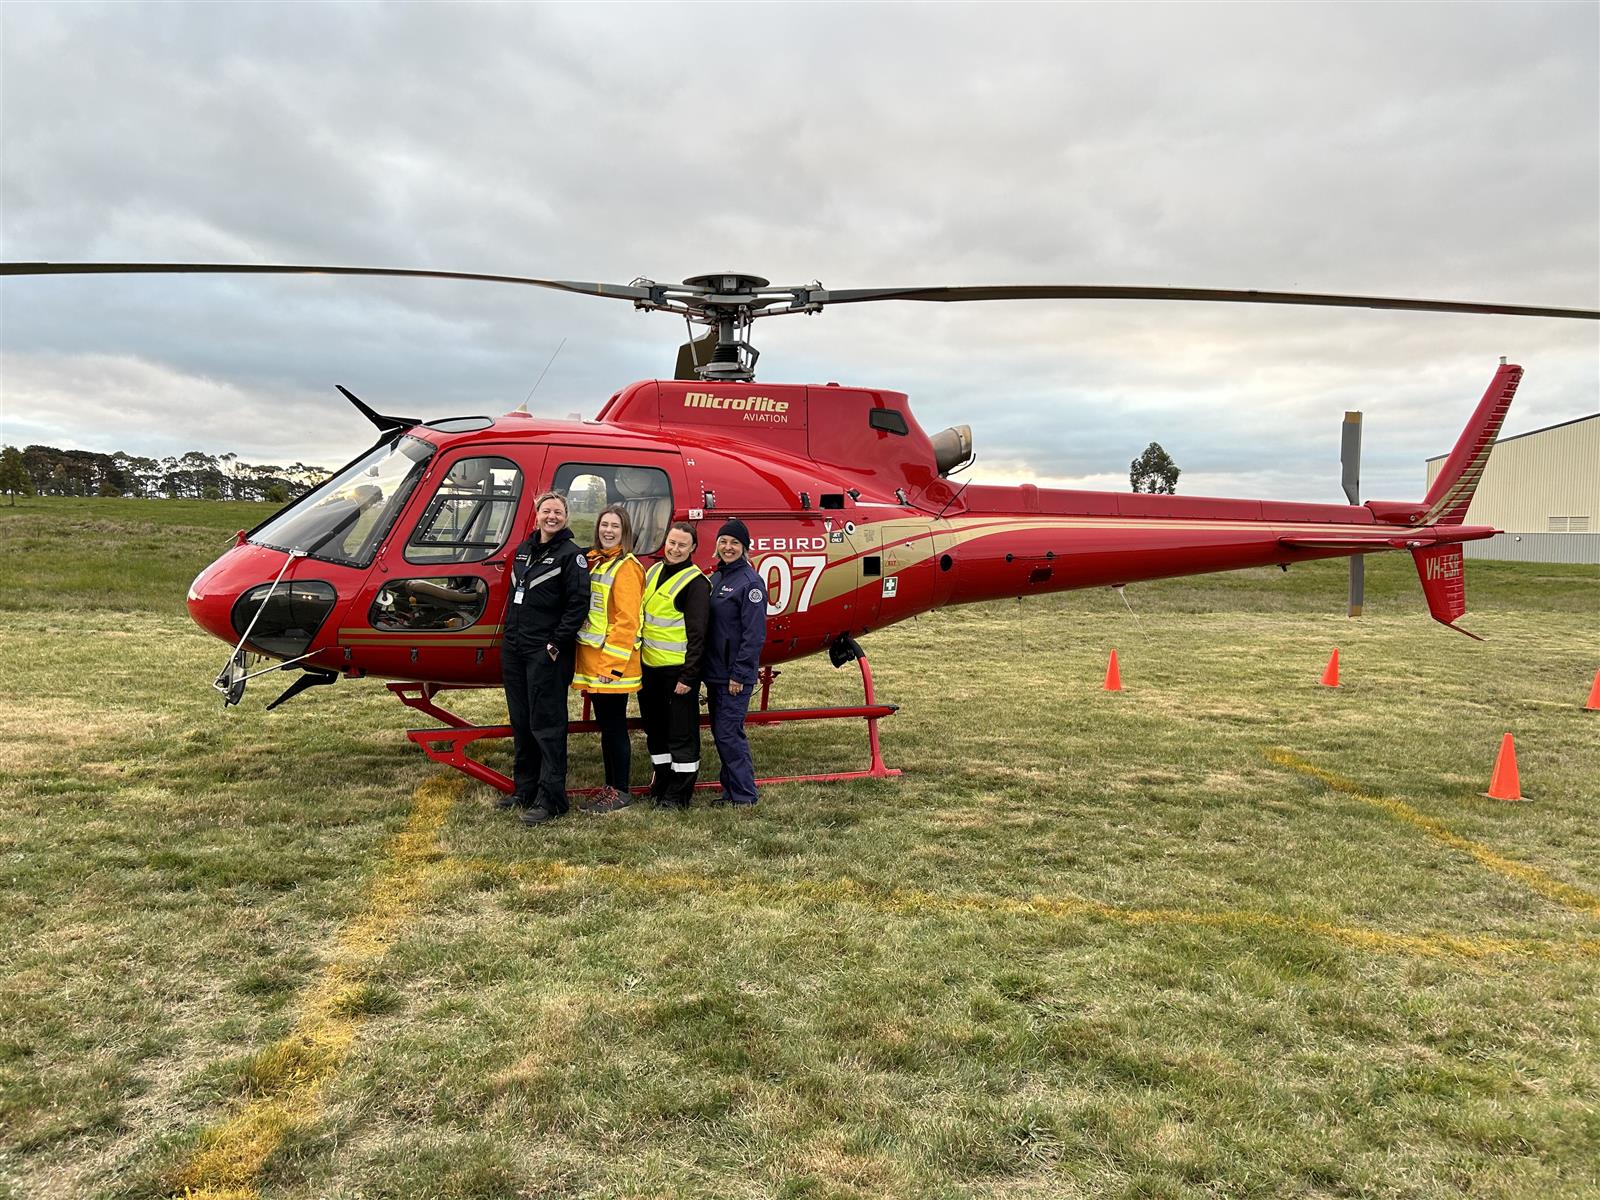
{"type": "Point", "coordinates": [737, 630]}
{"type": "Point", "coordinates": [549, 600]}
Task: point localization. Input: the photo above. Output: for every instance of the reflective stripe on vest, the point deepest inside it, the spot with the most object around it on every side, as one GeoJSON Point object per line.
{"type": "Point", "coordinates": [607, 683]}
{"type": "Point", "coordinates": [664, 642]}
{"type": "Point", "coordinates": [601, 578]}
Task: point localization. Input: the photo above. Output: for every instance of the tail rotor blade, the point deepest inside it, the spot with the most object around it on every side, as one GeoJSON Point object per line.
{"type": "Point", "coordinates": [1358, 580]}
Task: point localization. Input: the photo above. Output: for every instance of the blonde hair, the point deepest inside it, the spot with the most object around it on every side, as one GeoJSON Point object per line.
{"type": "Point", "coordinates": [543, 496]}
{"type": "Point", "coordinates": [627, 527]}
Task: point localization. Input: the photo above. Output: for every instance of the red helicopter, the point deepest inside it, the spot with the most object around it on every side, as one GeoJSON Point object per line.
{"type": "Point", "coordinates": [396, 566]}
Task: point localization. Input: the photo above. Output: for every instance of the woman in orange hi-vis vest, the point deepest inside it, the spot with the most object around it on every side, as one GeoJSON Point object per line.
{"type": "Point", "coordinates": [608, 649]}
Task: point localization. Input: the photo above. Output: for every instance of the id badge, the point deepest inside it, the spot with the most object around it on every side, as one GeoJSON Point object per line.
{"type": "Point", "coordinates": [517, 599]}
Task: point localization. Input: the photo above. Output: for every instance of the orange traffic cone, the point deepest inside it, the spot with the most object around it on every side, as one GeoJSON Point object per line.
{"type": "Point", "coordinates": [1594, 694]}
{"type": "Point", "coordinates": [1330, 673]}
{"type": "Point", "coordinates": [1113, 675]}
{"type": "Point", "coordinates": [1503, 783]}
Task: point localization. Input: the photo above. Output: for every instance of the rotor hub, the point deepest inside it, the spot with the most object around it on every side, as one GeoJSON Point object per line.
{"type": "Point", "coordinates": [726, 303]}
{"type": "Point", "coordinates": [727, 283]}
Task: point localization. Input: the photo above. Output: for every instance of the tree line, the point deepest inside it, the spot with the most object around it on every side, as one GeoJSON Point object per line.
{"type": "Point", "coordinates": [47, 471]}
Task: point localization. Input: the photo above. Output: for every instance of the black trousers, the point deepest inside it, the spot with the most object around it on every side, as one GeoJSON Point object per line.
{"type": "Point", "coordinates": [611, 714]}
{"type": "Point", "coordinates": [672, 732]}
{"type": "Point", "coordinates": [536, 701]}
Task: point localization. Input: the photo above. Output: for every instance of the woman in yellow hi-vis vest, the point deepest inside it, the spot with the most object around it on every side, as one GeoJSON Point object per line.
{"type": "Point", "coordinates": [677, 606]}
{"type": "Point", "coordinates": [608, 649]}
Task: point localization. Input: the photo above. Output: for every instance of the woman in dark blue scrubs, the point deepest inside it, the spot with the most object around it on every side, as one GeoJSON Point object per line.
{"type": "Point", "coordinates": [737, 630]}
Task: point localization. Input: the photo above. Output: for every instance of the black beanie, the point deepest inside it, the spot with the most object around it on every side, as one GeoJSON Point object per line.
{"type": "Point", "coordinates": [735, 528]}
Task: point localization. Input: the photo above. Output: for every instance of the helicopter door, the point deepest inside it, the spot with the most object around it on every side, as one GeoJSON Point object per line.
{"type": "Point", "coordinates": [438, 590]}
{"type": "Point", "coordinates": [915, 572]}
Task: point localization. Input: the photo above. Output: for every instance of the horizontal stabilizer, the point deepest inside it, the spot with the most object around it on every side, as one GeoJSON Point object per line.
{"type": "Point", "coordinates": [1356, 545]}
{"type": "Point", "coordinates": [1362, 543]}
{"type": "Point", "coordinates": [1442, 570]}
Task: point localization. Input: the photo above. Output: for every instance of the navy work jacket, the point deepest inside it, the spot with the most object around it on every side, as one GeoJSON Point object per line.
{"type": "Point", "coordinates": [738, 625]}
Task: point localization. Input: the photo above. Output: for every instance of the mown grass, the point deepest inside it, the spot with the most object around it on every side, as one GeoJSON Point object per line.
{"type": "Point", "coordinates": [117, 554]}
{"type": "Point", "coordinates": [1089, 944]}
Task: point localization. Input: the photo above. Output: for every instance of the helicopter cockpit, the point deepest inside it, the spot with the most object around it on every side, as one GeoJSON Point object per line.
{"type": "Point", "coordinates": [344, 520]}
{"type": "Point", "coordinates": [443, 603]}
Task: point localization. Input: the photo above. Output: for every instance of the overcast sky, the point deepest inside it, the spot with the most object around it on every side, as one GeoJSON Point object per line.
{"type": "Point", "coordinates": [1434, 150]}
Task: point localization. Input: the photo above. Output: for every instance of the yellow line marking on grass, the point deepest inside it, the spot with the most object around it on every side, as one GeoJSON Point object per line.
{"type": "Point", "coordinates": [556, 874]}
{"type": "Point", "coordinates": [1553, 889]}
{"type": "Point", "coordinates": [288, 1077]}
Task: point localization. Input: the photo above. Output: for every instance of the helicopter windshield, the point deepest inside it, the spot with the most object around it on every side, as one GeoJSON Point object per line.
{"type": "Point", "coordinates": [343, 520]}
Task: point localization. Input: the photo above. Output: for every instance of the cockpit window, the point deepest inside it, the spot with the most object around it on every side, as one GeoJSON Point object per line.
{"type": "Point", "coordinates": [443, 602]}
{"type": "Point", "coordinates": [345, 519]}
{"type": "Point", "coordinates": [644, 493]}
{"type": "Point", "coordinates": [470, 515]}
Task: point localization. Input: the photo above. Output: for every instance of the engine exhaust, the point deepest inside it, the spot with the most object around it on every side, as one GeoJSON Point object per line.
{"type": "Point", "coordinates": [952, 448]}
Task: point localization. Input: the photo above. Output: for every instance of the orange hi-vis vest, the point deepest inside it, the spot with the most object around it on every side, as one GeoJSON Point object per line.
{"type": "Point", "coordinates": [609, 639]}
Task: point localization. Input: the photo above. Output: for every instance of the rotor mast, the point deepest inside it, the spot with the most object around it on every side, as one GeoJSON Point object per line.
{"type": "Point", "coordinates": [727, 303]}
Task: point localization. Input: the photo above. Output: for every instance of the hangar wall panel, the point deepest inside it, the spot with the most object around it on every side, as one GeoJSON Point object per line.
{"type": "Point", "coordinates": [1539, 547]}
{"type": "Point", "coordinates": [1544, 483]}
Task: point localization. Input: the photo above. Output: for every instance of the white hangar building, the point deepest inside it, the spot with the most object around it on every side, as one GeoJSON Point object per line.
{"type": "Point", "coordinates": [1543, 489]}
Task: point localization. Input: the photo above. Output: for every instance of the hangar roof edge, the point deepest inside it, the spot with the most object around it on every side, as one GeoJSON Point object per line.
{"type": "Point", "coordinates": [1529, 433]}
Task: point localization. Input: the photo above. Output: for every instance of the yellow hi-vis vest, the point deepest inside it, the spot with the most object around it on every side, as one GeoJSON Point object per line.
{"type": "Point", "coordinates": [663, 640]}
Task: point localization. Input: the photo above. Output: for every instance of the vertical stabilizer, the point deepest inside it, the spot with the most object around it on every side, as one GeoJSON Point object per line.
{"type": "Point", "coordinates": [1442, 570]}
{"type": "Point", "coordinates": [1451, 493]}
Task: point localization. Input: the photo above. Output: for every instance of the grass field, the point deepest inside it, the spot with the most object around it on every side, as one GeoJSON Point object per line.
{"type": "Point", "coordinates": [1226, 933]}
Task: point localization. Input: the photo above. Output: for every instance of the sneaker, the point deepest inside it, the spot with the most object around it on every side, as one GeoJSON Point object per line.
{"type": "Point", "coordinates": [609, 800]}
{"type": "Point", "coordinates": [509, 800]}
{"type": "Point", "coordinates": [536, 816]}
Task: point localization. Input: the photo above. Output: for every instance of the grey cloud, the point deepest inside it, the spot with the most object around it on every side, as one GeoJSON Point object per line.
{"type": "Point", "coordinates": [1445, 150]}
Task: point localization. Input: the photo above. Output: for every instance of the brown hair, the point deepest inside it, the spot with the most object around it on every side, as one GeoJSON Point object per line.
{"type": "Point", "coordinates": [684, 527]}
{"type": "Point", "coordinates": [627, 527]}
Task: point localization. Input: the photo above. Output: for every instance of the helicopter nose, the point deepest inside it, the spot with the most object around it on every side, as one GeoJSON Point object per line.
{"type": "Point", "coordinates": [214, 592]}
{"type": "Point", "coordinates": [248, 588]}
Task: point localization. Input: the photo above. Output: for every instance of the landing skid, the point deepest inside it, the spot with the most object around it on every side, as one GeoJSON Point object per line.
{"type": "Point", "coordinates": [450, 745]}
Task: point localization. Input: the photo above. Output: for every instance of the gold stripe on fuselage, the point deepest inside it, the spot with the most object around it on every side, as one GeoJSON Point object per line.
{"type": "Point", "coordinates": [960, 531]}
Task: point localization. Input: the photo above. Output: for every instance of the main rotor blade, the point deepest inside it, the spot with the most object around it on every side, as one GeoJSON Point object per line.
{"type": "Point", "coordinates": [946, 295]}
{"type": "Point", "coordinates": [618, 291]}
{"type": "Point", "coordinates": [1222, 295]}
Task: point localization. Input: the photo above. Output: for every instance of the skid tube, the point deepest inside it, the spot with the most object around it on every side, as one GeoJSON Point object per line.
{"type": "Point", "coordinates": [448, 746]}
